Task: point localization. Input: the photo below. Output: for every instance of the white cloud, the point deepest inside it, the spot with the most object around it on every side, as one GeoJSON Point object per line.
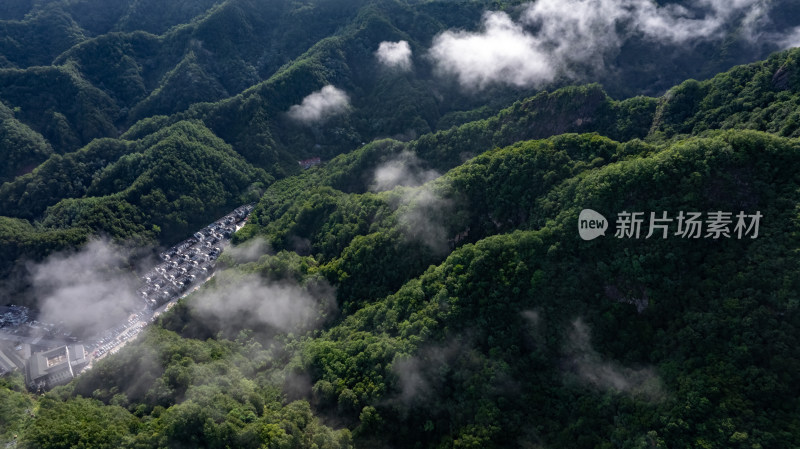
{"type": "Point", "coordinates": [422, 211]}
{"type": "Point", "coordinates": [422, 217]}
{"type": "Point", "coordinates": [88, 291]}
{"type": "Point", "coordinates": [249, 251]}
{"type": "Point", "coordinates": [791, 39]}
{"type": "Point", "coordinates": [404, 170]}
{"type": "Point", "coordinates": [236, 301]}
{"type": "Point", "coordinates": [502, 52]}
{"type": "Point", "coordinates": [320, 105]}
{"type": "Point", "coordinates": [394, 54]}
{"type": "Point", "coordinates": [552, 36]}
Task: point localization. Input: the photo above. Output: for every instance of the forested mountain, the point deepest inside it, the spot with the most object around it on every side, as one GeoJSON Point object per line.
{"type": "Point", "coordinates": [83, 69]}
{"type": "Point", "coordinates": [426, 285]}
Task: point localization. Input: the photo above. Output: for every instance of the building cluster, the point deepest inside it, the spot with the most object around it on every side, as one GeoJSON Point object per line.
{"type": "Point", "coordinates": [308, 163]}
{"type": "Point", "coordinates": [13, 316]}
{"type": "Point", "coordinates": [11, 357]}
{"type": "Point", "coordinates": [57, 366]}
{"type": "Point", "coordinates": [112, 339]}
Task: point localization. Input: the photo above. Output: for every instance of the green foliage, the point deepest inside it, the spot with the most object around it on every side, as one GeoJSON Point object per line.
{"type": "Point", "coordinates": [57, 103]}
{"type": "Point", "coordinates": [130, 15]}
{"type": "Point", "coordinates": [175, 178]}
{"type": "Point", "coordinates": [37, 39]}
{"type": "Point", "coordinates": [186, 84]}
{"type": "Point", "coordinates": [16, 406]}
{"type": "Point", "coordinates": [356, 235]}
{"type": "Point", "coordinates": [470, 312]}
{"type": "Point", "coordinates": [192, 393]}
{"type": "Point", "coordinates": [114, 63]}
{"type": "Point", "coordinates": [20, 241]}
{"type": "Point", "coordinates": [77, 423]}
{"type": "Point", "coordinates": [571, 109]}
{"type": "Point", "coordinates": [95, 69]}
{"type": "Point", "coordinates": [60, 177]}
{"type": "Point", "coordinates": [21, 148]}
{"type": "Point", "coordinates": [156, 189]}
{"type": "Point", "coordinates": [760, 96]}
{"type": "Point", "coordinates": [518, 322]}
{"type": "Point", "coordinates": [443, 354]}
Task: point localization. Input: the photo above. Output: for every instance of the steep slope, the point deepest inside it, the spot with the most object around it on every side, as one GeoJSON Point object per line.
{"type": "Point", "coordinates": [57, 103]}
{"type": "Point", "coordinates": [759, 96]}
{"type": "Point", "coordinates": [152, 58]}
{"type": "Point", "coordinates": [528, 336]}
{"type": "Point", "coordinates": [151, 191]}
{"type": "Point", "coordinates": [426, 286]}
{"type": "Point", "coordinates": [489, 346]}
{"type": "Point", "coordinates": [245, 121]}
{"type": "Point", "coordinates": [37, 40]}
{"type": "Point", "coordinates": [21, 148]}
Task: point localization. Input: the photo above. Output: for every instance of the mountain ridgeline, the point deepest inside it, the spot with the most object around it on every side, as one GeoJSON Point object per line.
{"type": "Point", "coordinates": [426, 286]}
{"type": "Point", "coordinates": [135, 68]}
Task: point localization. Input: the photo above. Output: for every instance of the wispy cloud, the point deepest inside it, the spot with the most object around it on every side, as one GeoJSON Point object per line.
{"type": "Point", "coordinates": [394, 54]}
{"type": "Point", "coordinates": [419, 376]}
{"type": "Point", "coordinates": [790, 40]}
{"type": "Point", "coordinates": [422, 378]}
{"type": "Point", "coordinates": [238, 301]}
{"type": "Point", "coordinates": [422, 216]}
{"type": "Point", "coordinates": [551, 36]}
{"type": "Point", "coordinates": [592, 369]}
{"type": "Point", "coordinates": [88, 290]}
{"type": "Point", "coordinates": [320, 105]}
{"type": "Point", "coordinates": [405, 169]}
{"type": "Point", "coordinates": [422, 210]}
{"type": "Point", "coordinates": [249, 251]}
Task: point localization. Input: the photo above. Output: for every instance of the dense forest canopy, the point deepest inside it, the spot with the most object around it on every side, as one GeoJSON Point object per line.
{"type": "Point", "coordinates": [426, 285]}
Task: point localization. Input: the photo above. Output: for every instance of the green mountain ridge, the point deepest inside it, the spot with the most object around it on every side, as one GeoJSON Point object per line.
{"type": "Point", "coordinates": [216, 50]}
{"type": "Point", "coordinates": [571, 109]}
{"type": "Point", "coordinates": [536, 312]}
{"type": "Point", "coordinates": [426, 286]}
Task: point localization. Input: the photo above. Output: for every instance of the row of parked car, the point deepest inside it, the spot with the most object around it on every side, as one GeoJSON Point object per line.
{"type": "Point", "coordinates": [190, 261]}
{"type": "Point", "coordinates": [113, 337]}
